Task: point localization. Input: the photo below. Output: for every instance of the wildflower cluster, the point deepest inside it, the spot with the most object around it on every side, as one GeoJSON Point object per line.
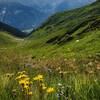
{"type": "Point", "coordinates": [40, 79]}
{"type": "Point", "coordinates": [24, 82]}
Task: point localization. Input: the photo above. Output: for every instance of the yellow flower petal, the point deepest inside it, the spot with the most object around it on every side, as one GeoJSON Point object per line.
{"type": "Point", "coordinates": [50, 90]}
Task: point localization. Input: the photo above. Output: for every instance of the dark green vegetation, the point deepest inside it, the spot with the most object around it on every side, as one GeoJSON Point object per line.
{"type": "Point", "coordinates": [12, 30]}
{"type": "Point", "coordinates": [65, 49]}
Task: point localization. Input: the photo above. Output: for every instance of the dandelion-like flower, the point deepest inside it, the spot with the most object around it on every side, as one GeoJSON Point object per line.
{"type": "Point", "coordinates": [38, 78]}
{"type": "Point", "coordinates": [24, 82]}
{"type": "Point", "coordinates": [21, 76]}
{"type": "Point", "coordinates": [50, 90]}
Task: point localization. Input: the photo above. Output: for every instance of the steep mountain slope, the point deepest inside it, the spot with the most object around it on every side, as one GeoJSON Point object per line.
{"type": "Point", "coordinates": [72, 29]}
{"type": "Point", "coordinates": [84, 19]}
{"type": "Point", "coordinates": [20, 16]}
{"type": "Point", "coordinates": [11, 30]}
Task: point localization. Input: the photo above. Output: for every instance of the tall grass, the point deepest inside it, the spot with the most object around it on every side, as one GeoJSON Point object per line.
{"type": "Point", "coordinates": [70, 79]}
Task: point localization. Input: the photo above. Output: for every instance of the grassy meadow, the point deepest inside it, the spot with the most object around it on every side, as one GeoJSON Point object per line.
{"type": "Point", "coordinates": [59, 61]}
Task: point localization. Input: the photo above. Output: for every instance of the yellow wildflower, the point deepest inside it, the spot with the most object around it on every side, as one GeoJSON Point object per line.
{"type": "Point", "coordinates": [9, 75]}
{"type": "Point", "coordinates": [50, 90]}
{"type": "Point", "coordinates": [22, 82]}
{"type": "Point", "coordinates": [22, 72]}
{"type": "Point", "coordinates": [43, 86]}
{"type": "Point", "coordinates": [30, 93]}
{"type": "Point", "coordinates": [21, 76]}
{"type": "Point", "coordinates": [26, 87]}
{"type": "Point", "coordinates": [27, 79]}
{"type": "Point", "coordinates": [38, 78]}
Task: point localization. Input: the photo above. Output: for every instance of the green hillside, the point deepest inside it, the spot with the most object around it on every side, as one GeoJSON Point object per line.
{"type": "Point", "coordinates": [59, 61]}
{"type": "Point", "coordinates": [7, 39]}
{"type": "Point", "coordinates": [74, 29]}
